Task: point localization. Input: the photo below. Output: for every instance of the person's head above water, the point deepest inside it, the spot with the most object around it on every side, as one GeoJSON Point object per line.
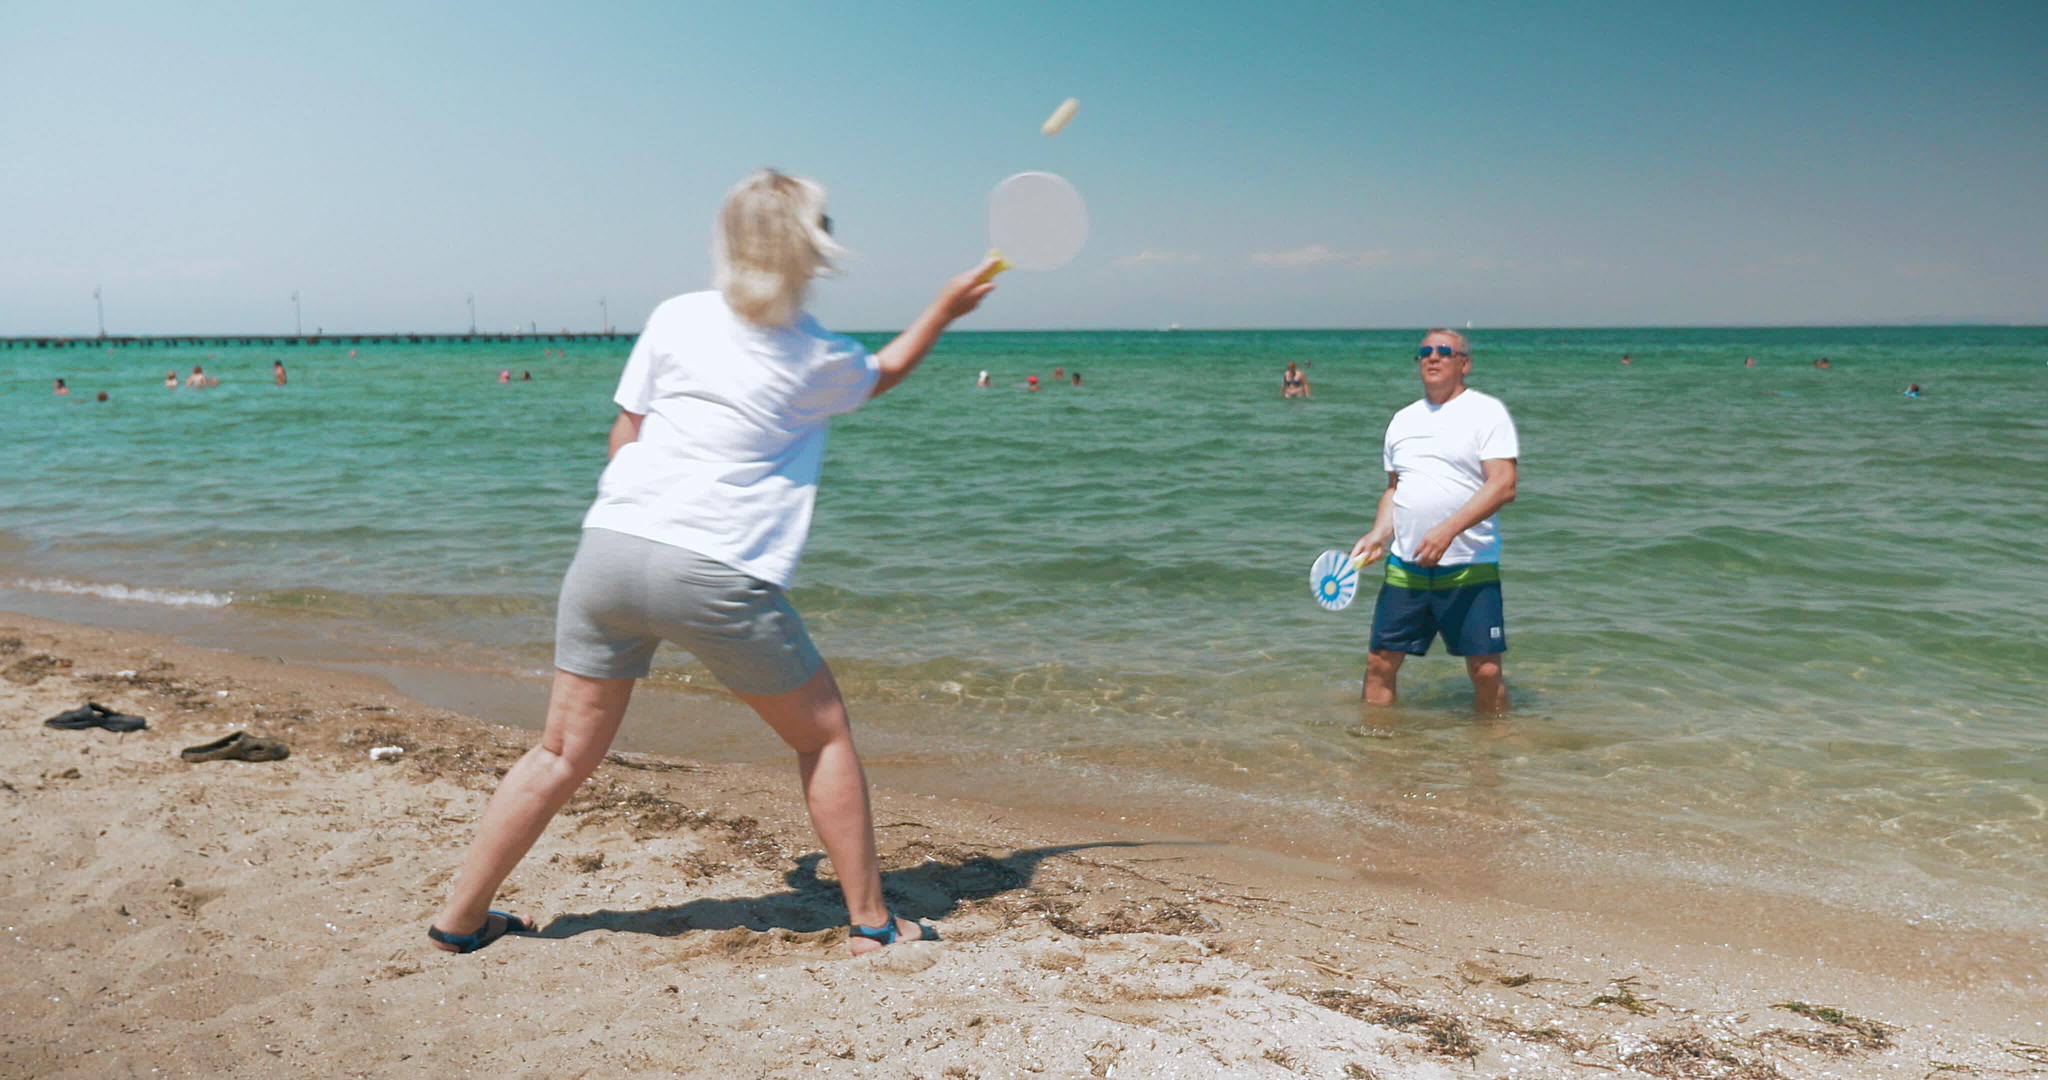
{"type": "Point", "coordinates": [1443, 360]}
{"type": "Point", "coordinates": [772, 238]}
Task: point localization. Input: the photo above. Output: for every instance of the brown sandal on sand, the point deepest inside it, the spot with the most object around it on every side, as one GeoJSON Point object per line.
{"type": "Point", "coordinates": [238, 746]}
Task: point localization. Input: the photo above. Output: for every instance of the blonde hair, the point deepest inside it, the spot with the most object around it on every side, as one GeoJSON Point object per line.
{"type": "Point", "coordinates": [770, 241]}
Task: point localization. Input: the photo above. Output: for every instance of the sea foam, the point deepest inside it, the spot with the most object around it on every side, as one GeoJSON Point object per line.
{"type": "Point", "coordinates": [129, 593]}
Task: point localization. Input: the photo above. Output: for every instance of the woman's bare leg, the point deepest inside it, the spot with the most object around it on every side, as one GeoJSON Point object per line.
{"type": "Point", "coordinates": [583, 716]}
{"type": "Point", "coordinates": [812, 720]}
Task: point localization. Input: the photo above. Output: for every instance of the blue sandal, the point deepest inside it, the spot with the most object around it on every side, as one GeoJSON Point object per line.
{"type": "Point", "coordinates": [886, 933]}
{"type": "Point", "coordinates": [469, 943]}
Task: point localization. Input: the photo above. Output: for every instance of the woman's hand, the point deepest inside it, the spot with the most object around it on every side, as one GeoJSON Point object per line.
{"type": "Point", "coordinates": [963, 292]}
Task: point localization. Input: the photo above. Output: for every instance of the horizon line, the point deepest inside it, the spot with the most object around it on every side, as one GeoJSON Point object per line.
{"type": "Point", "coordinates": [76, 339]}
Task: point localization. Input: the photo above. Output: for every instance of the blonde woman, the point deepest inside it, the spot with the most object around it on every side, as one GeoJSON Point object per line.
{"type": "Point", "coordinates": [699, 520]}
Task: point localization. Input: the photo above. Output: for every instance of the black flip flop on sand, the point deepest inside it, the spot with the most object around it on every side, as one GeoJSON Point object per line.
{"type": "Point", "coordinates": [93, 714]}
{"type": "Point", "coordinates": [496, 925]}
{"type": "Point", "coordinates": [238, 746]}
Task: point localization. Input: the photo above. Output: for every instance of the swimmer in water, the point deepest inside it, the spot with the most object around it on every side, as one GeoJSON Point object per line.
{"type": "Point", "coordinates": [1059, 373]}
{"type": "Point", "coordinates": [1749, 361]}
{"type": "Point", "coordinates": [1293, 382]}
{"type": "Point", "coordinates": [1626, 360]}
{"type": "Point", "coordinates": [504, 375]}
{"type": "Point", "coordinates": [983, 380]}
{"type": "Point", "coordinates": [1031, 383]}
{"type": "Point", "coordinates": [60, 390]}
{"type": "Point", "coordinates": [1077, 378]}
{"type": "Point", "coordinates": [102, 397]}
{"type": "Point", "coordinates": [1823, 364]}
{"type": "Point", "coordinates": [277, 372]}
{"type": "Point", "coordinates": [170, 380]}
{"type": "Point", "coordinates": [1912, 390]}
{"type": "Point", "coordinates": [526, 376]}
{"type": "Point", "coordinates": [196, 380]}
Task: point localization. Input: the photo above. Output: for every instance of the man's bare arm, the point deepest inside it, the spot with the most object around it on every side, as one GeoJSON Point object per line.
{"type": "Point", "coordinates": [1496, 492]}
{"type": "Point", "coordinates": [625, 429]}
{"type": "Point", "coordinates": [1373, 545]}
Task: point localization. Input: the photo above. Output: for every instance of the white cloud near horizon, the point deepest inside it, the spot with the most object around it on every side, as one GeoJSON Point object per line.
{"type": "Point", "coordinates": [1157, 258]}
{"type": "Point", "coordinates": [1320, 255]}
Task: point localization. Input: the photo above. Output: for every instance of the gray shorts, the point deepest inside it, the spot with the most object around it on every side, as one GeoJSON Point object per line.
{"type": "Point", "coordinates": [623, 595]}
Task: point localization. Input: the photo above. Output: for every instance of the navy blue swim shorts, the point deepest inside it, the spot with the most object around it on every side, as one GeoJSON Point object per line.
{"type": "Point", "coordinates": [1460, 602]}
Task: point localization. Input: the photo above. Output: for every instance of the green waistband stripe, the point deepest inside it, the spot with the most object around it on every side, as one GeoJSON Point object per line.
{"type": "Point", "coordinates": [1402, 576]}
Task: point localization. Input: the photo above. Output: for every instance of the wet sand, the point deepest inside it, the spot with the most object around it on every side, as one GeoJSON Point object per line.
{"type": "Point", "coordinates": [261, 918]}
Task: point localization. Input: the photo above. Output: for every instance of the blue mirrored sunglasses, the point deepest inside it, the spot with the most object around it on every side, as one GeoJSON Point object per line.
{"type": "Point", "coordinates": [1440, 350]}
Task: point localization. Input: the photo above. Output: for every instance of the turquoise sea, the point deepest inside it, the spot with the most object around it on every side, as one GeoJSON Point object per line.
{"type": "Point", "coordinates": [1777, 625]}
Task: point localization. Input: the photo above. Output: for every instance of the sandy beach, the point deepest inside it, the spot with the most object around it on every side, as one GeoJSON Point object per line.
{"type": "Point", "coordinates": [165, 918]}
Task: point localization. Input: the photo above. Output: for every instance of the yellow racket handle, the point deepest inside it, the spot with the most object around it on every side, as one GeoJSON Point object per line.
{"type": "Point", "coordinates": [1001, 265]}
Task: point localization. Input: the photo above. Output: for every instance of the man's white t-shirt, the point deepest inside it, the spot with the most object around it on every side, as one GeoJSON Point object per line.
{"type": "Point", "coordinates": [727, 460]}
{"type": "Point", "coordinates": [1435, 451]}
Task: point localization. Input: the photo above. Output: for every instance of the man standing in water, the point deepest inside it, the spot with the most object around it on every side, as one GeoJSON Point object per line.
{"type": "Point", "coordinates": [1450, 461]}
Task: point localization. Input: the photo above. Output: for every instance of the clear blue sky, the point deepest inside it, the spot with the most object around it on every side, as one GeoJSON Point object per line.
{"type": "Point", "coordinates": [1346, 164]}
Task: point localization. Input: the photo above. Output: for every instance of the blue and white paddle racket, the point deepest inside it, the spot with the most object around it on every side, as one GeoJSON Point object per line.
{"type": "Point", "coordinates": [1333, 580]}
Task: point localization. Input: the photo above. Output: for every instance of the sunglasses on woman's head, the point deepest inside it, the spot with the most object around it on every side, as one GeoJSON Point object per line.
{"type": "Point", "coordinates": [1440, 350]}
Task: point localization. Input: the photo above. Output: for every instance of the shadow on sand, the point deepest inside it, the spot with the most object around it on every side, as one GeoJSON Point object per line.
{"type": "Point", "coordinates": [931, 890]}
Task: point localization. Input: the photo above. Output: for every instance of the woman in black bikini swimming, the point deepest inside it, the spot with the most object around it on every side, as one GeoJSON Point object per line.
{"type": "Point", "coordinates": [1293, 382]}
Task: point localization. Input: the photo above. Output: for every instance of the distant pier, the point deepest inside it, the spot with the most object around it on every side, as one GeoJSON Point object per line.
{"type": "Point", "coordinates": [286, 341]}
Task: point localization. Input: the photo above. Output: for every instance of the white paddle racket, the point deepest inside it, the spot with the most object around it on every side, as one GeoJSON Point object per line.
{"type": "Point", "coordinates": [1036, 221]}
{"type": "Point", "coordinates": [1333, 580]}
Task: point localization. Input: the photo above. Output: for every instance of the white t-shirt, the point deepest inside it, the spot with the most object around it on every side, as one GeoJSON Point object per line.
{"type": "Point", "coordinates": [727, 460]}
{"type": "Point", "coordinates": [1435, 451]}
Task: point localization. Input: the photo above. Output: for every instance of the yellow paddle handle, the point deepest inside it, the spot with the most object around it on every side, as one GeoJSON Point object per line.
{"type": "Point", "coordinates": [1001, 265]}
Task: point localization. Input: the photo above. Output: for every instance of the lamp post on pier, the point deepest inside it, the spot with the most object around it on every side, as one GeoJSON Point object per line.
{"type": "Point", "coordinates": [472, 314]}
{"type": "Point", "coordinates": [605, 310]}
{"type": "Point", "coordinates": [101, 309]}
{"type": "Point", "coordinates": [298, 319]}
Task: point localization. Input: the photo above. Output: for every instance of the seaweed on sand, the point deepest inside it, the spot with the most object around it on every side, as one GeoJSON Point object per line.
{"type": "Point", "coordinates": [1869, 1034]}
{"type": "Point", "coordinates": [1624, 995]}
{"type": "Point", "coordinates": [1444, 1034]}
{"type": "Point", "coordinates": [1555, 1036]}
{"type": "Point", "coordinates": [1691, 1055]}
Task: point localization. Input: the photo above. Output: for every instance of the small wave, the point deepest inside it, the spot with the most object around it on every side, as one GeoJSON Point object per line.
{"type": "Point", "coordinates": [130, 593]}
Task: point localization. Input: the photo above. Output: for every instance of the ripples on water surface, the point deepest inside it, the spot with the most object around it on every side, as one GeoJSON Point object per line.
{"type": "Point", "coordinates": [1783, 605]}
